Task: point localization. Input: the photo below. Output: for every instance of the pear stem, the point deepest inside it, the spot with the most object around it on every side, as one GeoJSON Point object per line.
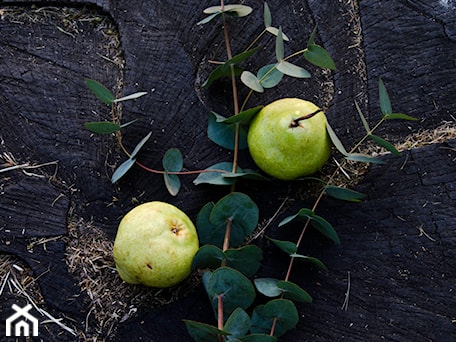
{"type": "Point", "coordinates": [295, 122]}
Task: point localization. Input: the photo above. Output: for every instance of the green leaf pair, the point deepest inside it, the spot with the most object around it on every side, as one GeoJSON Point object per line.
{"type": "Point", "coordinates": [230, 286]}
{"type": "Point", "coordinates": [317, 55]}
{"type": "Point", "coordinates": [291, 249]}
{"type": "Point", "coordinates": [126, 165]}
{"type": "Point", "coordinates": [236, 328]}
{"type": "Point", "coordinates": [222, 174]}
{"type": "Point", "coordinates": [386, 109]}
{"type": "Point", "coordinates": [318, 222]}
{"type": "Point", "coordinates": [224, 70]}
{"type": "Point", "coordinates": [267, 17]}
{"type": "Point", "coordinates": [271, 287]}
{"type": "Point", "coordinates": [172, 162]}
{"type": "Point", "coordinates": [359, 157]}
{"type": "Point", "coordinates": [238, 324]}
{"type": "Point", "coordinates": [236, 209]}
{"type": "Point", "coordinates": [106, 96]}
{"type": "Point", "coordinates": [231, 10]}
{"type": "Point", "coordinates": [246, 259]}
{"type": "Point", "coordinates": [222, 131]}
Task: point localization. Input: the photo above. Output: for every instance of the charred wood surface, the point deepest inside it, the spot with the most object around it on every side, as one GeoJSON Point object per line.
{"type": "Point", "coordinates": [397, 251]}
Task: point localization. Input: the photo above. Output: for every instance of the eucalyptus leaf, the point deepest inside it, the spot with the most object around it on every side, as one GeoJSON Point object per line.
{"type": "Point", "coordinates": [318, 222]}
{"type": "Point", "coordinates": [247, 174]}
{"type": "Point", "coordinates": [173, 160]}
{"type": "Point", "coordinates": [140, 145]}
{"type": "Point", "coordinates": [325, 228]}
{"type": "Point", "coordinates": [238, 324]}
{"type": "Point", "coordinates": [208, 256]}
{"type": "Point", "coordinates": [209, 18]}
{"type": "Point", "coordinates": [312, 36]}
{"type": "Point", "coordinates": [302, 213]}
{"type": "Point", "coordinates": [235, 288]}
{"type": "Point", "coordinates": [208, 232]}
{"type": "Point", "coordinates": [364, 158]}
{"type": "Point", "coordinates": [267, 16]}
{"type": "Point", "coordinates": [241, 211]}
{"type": "Point", "coordinates": [385, 144]}
{"type": "Point", "coordinates": [239, 10]}
{"type": "Point", "coordinates": [292, 70]}
{"type": "Point", "coordinates": [239, 58]}
{"type": "Point", "coordinates": [102, 127]}
{"type": "Point", "coordinates": [259, 338]}
{"type": "Point", "coordinates": [286, 246]}
{"type": "Point", "coordinates": [172, 183]}
{"type": "Point", "coordinates": [294, 292]}
{"type": "Point", "coordinates": [385, 103]}
{"type": "Point", "coordinates": [122, 170]}
{"type": "Point", "coordinates": [344, 193]}
{"type": "Point", "coordinates": [363, 119]}
{"type": "Point", "coordinates": [269, 76]}
{"type": "Point", "coordinates": [267, 287]}
{"type": "Point", "coordinates": [242, 118]}
{"type": "Point", "coordinates": [100, 91]}
{"type": "Point", "coordinates": [251, 81]}
{"type": "Point", "coordinates": [400, 116]}
{"type": "Point", "coordinates": [224, 70]}
{"type": "Point", "coordinates": [318, 56]}
{"type": "Point", "coordinates": [275, 31]}
{"type": "Point", "coordinates": [315, 261]}
{"type": "Point", "coordinates": [224, 134]}
{"type": "Point", "coordinates": [220, 72]}
{"type": "Point", "coordinates": [202, 332]}
{"type": "Point", "coordinates": [246, 259]}
{"type": "Point", "coordinates": [131, 96]}
{"type": "Point", "coordinates": [281, 309]}
{"type": "Point", "coordinates": [217, 178]}
{"type": "Point", "coordinates": [279, 46]}
{"type": "Point", "coordinates": [335, 140]}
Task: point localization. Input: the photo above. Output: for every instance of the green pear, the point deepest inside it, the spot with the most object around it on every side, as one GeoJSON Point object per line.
{"type": "Point", "coordinates": [155, 245]}
{"type": "Point", "coordinates": [287, 139]}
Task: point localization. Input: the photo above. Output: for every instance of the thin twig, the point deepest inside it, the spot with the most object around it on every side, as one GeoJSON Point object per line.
{"type": "Point", "coordinates": [347, 293]}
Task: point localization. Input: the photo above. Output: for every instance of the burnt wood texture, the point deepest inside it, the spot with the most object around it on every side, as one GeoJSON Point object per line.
{"type": "Point", "coordinates": [396, 259]}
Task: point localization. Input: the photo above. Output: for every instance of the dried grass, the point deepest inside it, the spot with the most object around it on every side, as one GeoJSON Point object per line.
{"type": "Point", "coordinates": [111, 301]}
{"type": "Point", "coordinates": [18, 280]}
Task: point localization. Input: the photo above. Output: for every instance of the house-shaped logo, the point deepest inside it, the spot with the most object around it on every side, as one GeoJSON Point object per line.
{"type": "Point", "coordinates": [21, 322]}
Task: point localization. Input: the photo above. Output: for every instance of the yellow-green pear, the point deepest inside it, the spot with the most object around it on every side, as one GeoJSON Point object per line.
{"type": "Point", "coordinates": [287, 139]}
{"type": "Point", "coordinates": [155, 245]}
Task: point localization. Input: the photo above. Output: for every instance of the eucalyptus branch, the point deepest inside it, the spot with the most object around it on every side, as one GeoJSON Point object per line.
{"type": "Point", "coordinates": [322, 193]}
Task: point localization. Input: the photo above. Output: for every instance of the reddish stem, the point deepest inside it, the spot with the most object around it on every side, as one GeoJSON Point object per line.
{"type": "Point", "coordinates": [220, 316]}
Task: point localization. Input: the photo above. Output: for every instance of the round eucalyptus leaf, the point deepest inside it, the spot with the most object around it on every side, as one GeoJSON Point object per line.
{"type": "Point", "coordinates": [225, 134]}
{"type": "Point", "coordinates": [269, 76]}
{"type": "Point", "coordinates": [203, 332]}
{"type": "Point", "coordinates": [238, 324]}
{"type": "Point", "coordinates": [173, 160]}
{"type": "Point", "coordinates": [267, 287]}
{"type": "Point", "coordinates": [122, 170]}
{"type": "Point", "coordinates": [246, 260]}
{"type": "Point", "coordinates": [208, 232]}
{"type": "Point", "coordinates": [231, 286]}
{"type": "Point", "coordinates": [294, 292]}
{"type": "Point", "coordinates": [217, 177]}
{"type": "Point", "coordinates": [172, 183]}
{"type": "Point", "coordinates": [208, 256]}
{"type": "Point", "coordinates": [282, 309]}
{"type": "Point", "coordinates": [238, 209]}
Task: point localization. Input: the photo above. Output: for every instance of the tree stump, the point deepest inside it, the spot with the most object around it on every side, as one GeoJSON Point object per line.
{"type": "Point", "coordinates": [392, 277]}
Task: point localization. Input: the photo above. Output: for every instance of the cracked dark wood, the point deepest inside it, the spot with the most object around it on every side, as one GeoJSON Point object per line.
{"type": "Point", "coordinates": [398, 246]}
